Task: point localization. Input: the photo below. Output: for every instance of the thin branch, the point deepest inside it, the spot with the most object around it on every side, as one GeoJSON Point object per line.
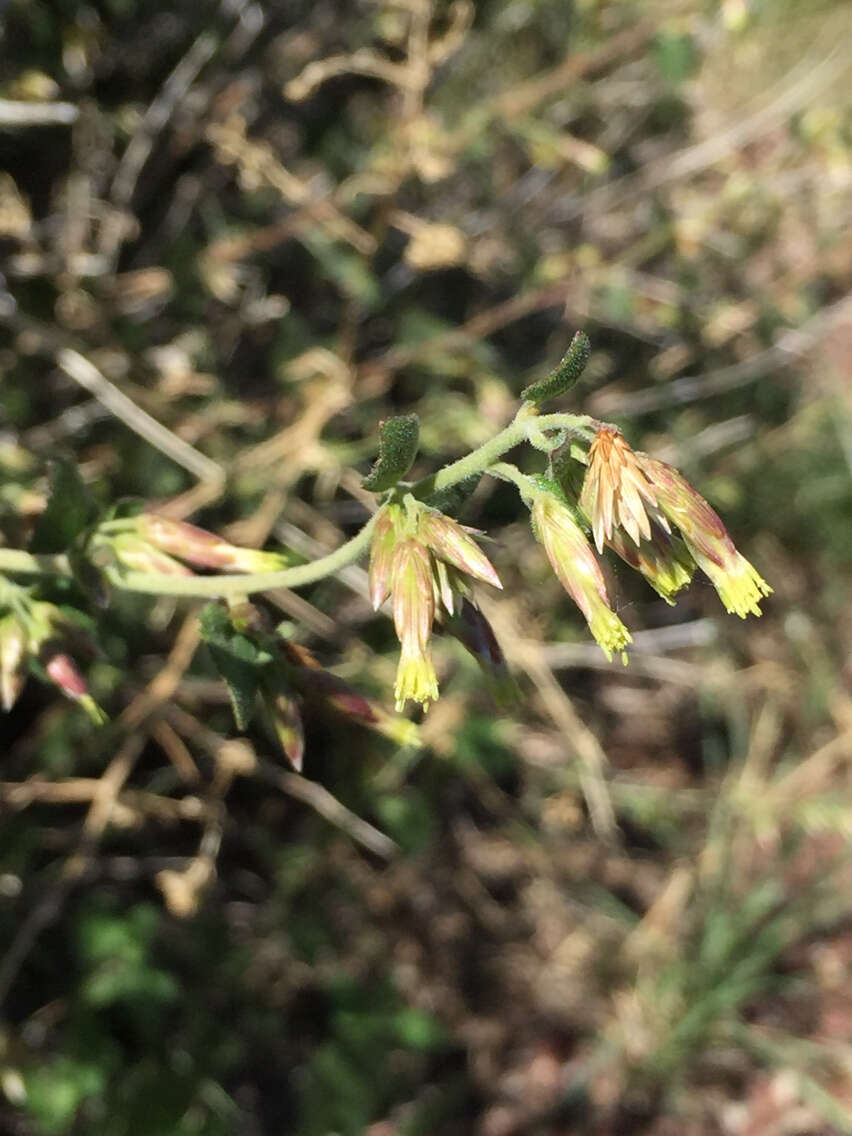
{"type": "Point", "coordinates": [77, 367]}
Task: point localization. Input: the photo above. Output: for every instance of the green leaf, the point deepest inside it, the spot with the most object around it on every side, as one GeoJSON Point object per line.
{"type": "Point", "coordinates": [238, 660]}
{"type": "Point", "coordinates": [70, 509]}
{"type": "Point", "coordinates": [563, 377]}
{"type": "Point", "coordinates": [398, 442]}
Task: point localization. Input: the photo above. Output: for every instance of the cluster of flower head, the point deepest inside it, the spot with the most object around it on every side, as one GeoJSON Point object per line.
{"type": "Point", "coordinates": [422, 559]}
{"type": "Point", "coordinates": [641, 508]}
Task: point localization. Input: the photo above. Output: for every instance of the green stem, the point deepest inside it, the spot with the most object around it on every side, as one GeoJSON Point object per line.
{"type": "Point", "coordinates": [507, 472]}
{"type": "Point", "coordinates": [247, 585]}
{"type": "Point", "coordinates": [30, 564]}
{"type": "Point", "coordinates": [476, 462]}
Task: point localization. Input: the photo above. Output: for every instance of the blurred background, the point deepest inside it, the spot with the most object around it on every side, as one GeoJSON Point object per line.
{"type": "Point", "coordinates": [620, 907]}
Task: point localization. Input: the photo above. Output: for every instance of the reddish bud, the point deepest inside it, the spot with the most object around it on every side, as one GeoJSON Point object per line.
{"type": "Point", "coordinates": [286, 721]}
{"type": "Point", "coordinates": [63, 671]}
{"type": "Point", "coordinates": [205, 549]}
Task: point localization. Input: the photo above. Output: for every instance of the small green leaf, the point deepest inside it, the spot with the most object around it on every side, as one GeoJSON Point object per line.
{"type": "Point", "coordinates": [70, 509]}
{"type": "Point", "coordinates": [398, 441]}
{"type": "Point", "coordinates": [238, 660]}
{"type": "Point", "coordinates": [563, 377]}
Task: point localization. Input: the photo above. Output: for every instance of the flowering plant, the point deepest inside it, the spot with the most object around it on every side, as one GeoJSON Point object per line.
{"type": "Point", "coordinates": [596, 492]}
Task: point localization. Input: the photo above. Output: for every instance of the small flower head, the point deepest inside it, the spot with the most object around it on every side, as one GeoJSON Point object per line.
{"type": "Point", "coordinates": [13, 660]}
{"type": "Point", "coordinates": [663, 560]}
{"type": "Point", "coordinates": [577, 569]}
{"type": "Point", "coordinates": [739, 585]}
{"type": "Point", "coordinates": [616, 491]}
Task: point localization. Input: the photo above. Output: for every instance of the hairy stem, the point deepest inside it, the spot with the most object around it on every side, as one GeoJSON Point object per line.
{"type": "Point", "coordinates": [478, 461]}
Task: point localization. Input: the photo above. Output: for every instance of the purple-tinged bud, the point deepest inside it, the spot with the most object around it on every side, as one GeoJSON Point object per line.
{"type": "Point", "coordinates": [451, 543]}
{"type": "Point", "coordinates": [286, 720]}
{"type": "Point", "coordinates": [63, 672]}
{"type": "Point", "coordinates": [476, 634]}
{"type": "Point", "coordinates": [13, 659]}
{"type": "Point", "coordinates": [205, 549]}
{"type": "Point", "coordinates": [381, 554]}
{"type": "Point", "coordinates": [738, 583]}
{"type": "Point", "coordinates": [663, 560]}
{"type": "Point", "coordinates": [138, 555]}
{"type": "Point", "coordinates": [577, 569]}
{"type": "Point", "coordinates": [323, 690]}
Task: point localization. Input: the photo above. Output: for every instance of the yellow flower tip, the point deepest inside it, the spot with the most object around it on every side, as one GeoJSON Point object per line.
{"type": "Point", "coordinates": [610, 633]}
{"type": "Point", "coordinates": [740, 587]}
{"type": "Point", "coordinates": [416, 680]}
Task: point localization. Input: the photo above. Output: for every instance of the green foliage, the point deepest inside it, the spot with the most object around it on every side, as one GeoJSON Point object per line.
{"type": "Point", "coordinates": [70, 509]}
{"type": "Point", "coordinates": [563, 377]}
{"type": "Point", "coordinates": [238, 660]}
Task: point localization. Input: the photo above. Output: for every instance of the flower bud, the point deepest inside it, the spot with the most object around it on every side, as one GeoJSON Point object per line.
{"type": "Point", "coordinates": [205, 549]}
{"type": "Point", "coordinates": [577, 569]}
{"type": "Point", "coordinates": [63, 672]}
{"type": "Point", "coordinates": [286, 720]}
{"type": "Point", "coordinates": [738, 583]}
{"type": "Point", "coordinates": [13, 659]}
{"type": "Point", "coordinates": [450, 542]}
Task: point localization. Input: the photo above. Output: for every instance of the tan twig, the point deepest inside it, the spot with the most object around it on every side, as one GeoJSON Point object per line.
{"type": "Point", "coordinates": [154, 120]}
{"type": "Point", "coordinates": [318, 798]}
{"type": "Point", "coordinates": [77, 367]}
{"type": "Point", "coordinates": [14, 113]}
